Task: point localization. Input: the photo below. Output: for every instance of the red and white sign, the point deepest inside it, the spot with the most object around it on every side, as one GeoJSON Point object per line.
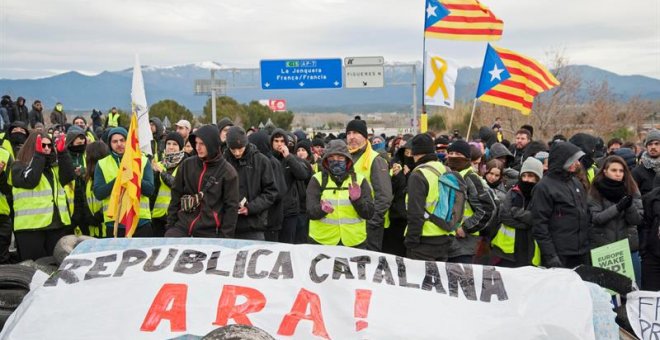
{"type": "Point", "coordinates": [277, 105]}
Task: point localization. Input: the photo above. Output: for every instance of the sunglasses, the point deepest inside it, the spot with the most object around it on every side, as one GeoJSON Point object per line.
{"type": "Point", "coordinates": [47, 145]}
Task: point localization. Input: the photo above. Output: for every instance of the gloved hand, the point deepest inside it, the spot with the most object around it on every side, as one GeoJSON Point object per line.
{"type": "Point", "coordinates": [38, 148]}
{"type": "Point", "coordinates": [354, 191]}
{"type": "Point", "coordinates": [624, 203]}
{"type": "Point", "coordinates": [554, 262]}
{"type": "Point", "coordinates": [327, 207]}
{"type": "Point", "coordinates": [60, 143]}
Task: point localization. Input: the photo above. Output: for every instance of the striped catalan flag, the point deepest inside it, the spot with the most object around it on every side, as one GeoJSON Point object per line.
{"type": "Point", "coordinates": [513, 80]}
{"type": "Point", "coordinates": [463, 20]}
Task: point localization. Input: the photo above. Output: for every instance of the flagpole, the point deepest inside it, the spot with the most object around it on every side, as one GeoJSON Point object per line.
{"type": "Point", "coordinates": [474, 107]}
{"type": "Point", "coordinates": [417, 127]}
{"type": "Point", "coordinates": [121, 198]}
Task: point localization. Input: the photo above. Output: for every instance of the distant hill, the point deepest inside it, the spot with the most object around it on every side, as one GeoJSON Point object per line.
{"type": "Point", "coordinates": [112, 88]}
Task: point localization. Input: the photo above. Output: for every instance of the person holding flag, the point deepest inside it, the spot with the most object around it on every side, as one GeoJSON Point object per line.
{"type": "Point", "coordinates": [106, 187]}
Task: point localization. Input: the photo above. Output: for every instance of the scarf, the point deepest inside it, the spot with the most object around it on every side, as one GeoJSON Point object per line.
{"type": "Point", "coordinates": [526, 189]}
{"type": "Point", "coordinates": [651, 163]}
{"type": "Point", "coordinates": [367, 153]}
{"type": "Point", "coordinates": [171, 160]}
{"type": "Point", "coordinates": [610, 189]}
{"type": "Point", "coordinates": [458, 163]}
{"type": "Point", "coordinates": [496, 184]}
{"type": "Point", "coordinates": [425, 159]}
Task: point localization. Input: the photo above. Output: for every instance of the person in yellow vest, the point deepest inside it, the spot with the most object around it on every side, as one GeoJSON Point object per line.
{"type": "Point", "coordinates": [513, 245]}
{"type": "Point", "coordinates": [339, 201]}
{"type": "Point", "coordinates": [41, 214]}
{"type": "Point", "coordinates": [104, 179]}
{"type": "Point", "coordinates": [376, 170]}
{"type": "Point", "coordinates": [6, 162]}
{"type": "Point", "coordinates": [76, 142]}
{"type": "Point", "coordinates": [164, 173]}
{"type": "Point", "coordinates": [113, 119]}
{"type": "Point", "coordinates": [93, 154]}
{"type": "Point", "coordinates": [423, 239]}
{"type": "Point", "coordinates": [476, 213]}
{"type": "Point", "coordinates": [80, 122]}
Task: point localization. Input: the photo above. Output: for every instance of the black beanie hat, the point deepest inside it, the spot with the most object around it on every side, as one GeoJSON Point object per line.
{"type": "Point", "coordinates": [175, 137]}
{"type": "Point", "coordinates": [236, 137]}
{"type": "Point", "coordinates": [461, 147]}
{"type": "Point", "coordinates": [422, 144]}
{"type": "Point", "coordinates": [359, 126]}
{"type": "Point", "coordinates": [318, 142]}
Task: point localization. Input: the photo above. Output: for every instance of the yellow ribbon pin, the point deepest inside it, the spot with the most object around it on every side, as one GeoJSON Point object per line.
{"type": "Point", "coordinates": [439, 81]}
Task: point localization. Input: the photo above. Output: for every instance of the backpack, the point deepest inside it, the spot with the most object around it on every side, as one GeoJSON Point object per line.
{"type": "Point", "coordinates": [491, 203]}
{"type": "Point", "coordinates": [452, 195]}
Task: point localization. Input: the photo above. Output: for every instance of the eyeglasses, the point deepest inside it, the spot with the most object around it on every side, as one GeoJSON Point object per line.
{"type": "Point", "coordinates": [47, 145]}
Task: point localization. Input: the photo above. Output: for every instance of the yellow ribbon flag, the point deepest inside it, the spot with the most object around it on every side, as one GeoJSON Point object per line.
{"type": "Point", "coordinates": [439, 80]}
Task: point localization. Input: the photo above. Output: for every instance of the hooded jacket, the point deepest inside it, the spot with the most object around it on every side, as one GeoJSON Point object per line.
{"type": "Point", "coordinates": [57, 117]}
{"type": "Point", "coordinates": [157, 144]}
{"type": "Point", "coordinates": [559, 207]}
{"type": "Point", "coordinates": [256, 185]}
{"type": "Point", "coordinates": [510, 175]}
{"type": "Point", "coordinates": [488, 136]}
{"type": "Point", "coordinates": [293, 169]}
{"type": "Point", "coordinates": [20, 111]}
{"type": "Point", "coordinates": [650, 228]}
{"type": "Point", "coordinates": [364, 206]}
{"type": "Point", "coordinates": [224, 122]}
{"type": "Point", "coordinates": [644, 177]}
{"type": "Point", "coordinates": [217, 179]}
{"type": "Point", "coordinates": [35, 116]}
{"type": "Point", "coordinates": [275, 213]}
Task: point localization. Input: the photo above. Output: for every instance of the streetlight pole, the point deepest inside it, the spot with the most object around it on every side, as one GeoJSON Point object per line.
{"type": "Point", "coordinates": [213, 95]}
{"type": "Point", "coordinates": [414, 88]}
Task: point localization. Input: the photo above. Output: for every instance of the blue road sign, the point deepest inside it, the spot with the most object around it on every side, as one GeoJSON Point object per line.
{"type": "Point", "coordinates": [301, 74]}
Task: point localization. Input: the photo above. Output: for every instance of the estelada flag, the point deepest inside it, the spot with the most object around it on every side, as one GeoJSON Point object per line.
{"type": "Point", "coordinates": [124, 205]}
{"type": "Point", "coordinates": [513, 80]}
{"type": "Point", "coordinates": [461, 20]}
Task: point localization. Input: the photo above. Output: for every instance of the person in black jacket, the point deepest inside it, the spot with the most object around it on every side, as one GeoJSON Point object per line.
{"type": "Point", "coordinates": [19, 112]}
{"type": "Point", "coordinates": [205, 193]}
{"type": "Point", "coordinates": [649, 247]}
{"type": "Point", "coordinates": [294, 170]}
{"type": "Point", "coordinates": [256, 188]}
{"type": "Point", "coordinates": [36, 114]}
{"type": "Point", "coordinates": [560, 211]}
{"type": "Point", "coordinates": [649, 163]}
{"type": "Point", "coordinates": [275, 213]}
{"type": "Point", "coordinates": [304, 154]}
{"type": "Point", "coordinates": [393, 236]}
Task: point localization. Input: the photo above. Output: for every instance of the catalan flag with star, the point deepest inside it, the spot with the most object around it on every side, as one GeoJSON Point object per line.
{"type": "Point", "coordinates": [124, 205]}
{"type": "Point", "coordinates": [513, 80]}
{"type": "Point", "coordinates": [461, 20]}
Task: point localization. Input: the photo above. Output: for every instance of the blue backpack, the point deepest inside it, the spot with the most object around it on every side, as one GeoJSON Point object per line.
{"type": "Point", "coordinates": [452, 194]}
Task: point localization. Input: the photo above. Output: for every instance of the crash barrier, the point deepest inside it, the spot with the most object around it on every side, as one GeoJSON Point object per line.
{"type": "Point", "coordinates": [169, 288]}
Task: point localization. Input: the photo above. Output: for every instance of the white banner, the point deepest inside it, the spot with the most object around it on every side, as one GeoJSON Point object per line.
{"type": "Point", "coordinates": [139, 104]}
{"type": "Point", "coordinates": [299, 292]}
{"type": "Point", "coordinates": [643, 310]}
{"type": "Point", "coordinates": [440, 76]}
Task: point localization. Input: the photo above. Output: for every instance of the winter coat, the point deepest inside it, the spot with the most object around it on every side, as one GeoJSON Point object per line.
{"type": "Point", "coordinates": [649, 231]}
{"type": "Point", "coordinates": [644, 178]}
{"type": "Point", "coordinates": [559, 208]}
{"type": "Point", "coordinates": [293, 169]}
{"type": "Point", "coordinates": [399, 190]}
{"type": "Point", "coordinates": [608, 224]}
{"type": "Point", "coordinates": [35, 116]}
{"type": "Point", "coordinates": [515, 214]}
{"type": "Point", "coordinates": [381, 185]}
{"type": "Point", "coordinates": [517, 156]}
{"type": "Point", "coordinates": [57, 117]}
{"type": "Point", "coordinates": [218, 210]}
{"type": "Point", "coordinates": [157, 144]}
{"type": "Point", "coordinates": [276, 213]}
{"type": "Point", "coordinates": [256, 185]}
{"type": "Point", "coordinates": [19, 112]}
{"type": "Point", "coordinates": [509, 176]}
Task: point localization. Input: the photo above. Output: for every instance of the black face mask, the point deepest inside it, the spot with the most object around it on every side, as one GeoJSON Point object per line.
{"type": "Point", "coordinates": [457, 163]}
{"type": "Point", "coordinates": [17, 138]}
{"type": "Point", "coordinates": [51, 159]}
{"type": "Point", "coordinates": [526, 188]}
{"type": "Point", "coordinates": [77, 148]}
{"type": "Point", "coordinates": [409, 161]}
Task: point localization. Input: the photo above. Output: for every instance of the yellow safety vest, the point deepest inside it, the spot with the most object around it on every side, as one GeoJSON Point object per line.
{"type": "Point", "coordinates": [4, 204]}
{"type": "Point", "coordinates": [360, 168]}
{"type": "Point", "coordinates": [163, 198]}
{"type": "Point", "coordinates": [7, 146]}
{"type": "Point", "coordinates": [113, 120]}
{"type": "Point", "coordinates": [110, 169]}
{"type": "Point", "coordinates": [343, 223]}
{"type": "Point", "coordinates": [429, 228]}
{"type": "Point", "coordinates": [91, 138]}
{"type": "Point", "coordinates": [505, 240]}
{"type": "Point", "coordinates": [591, 173]}
{"type": "Point", "coordinates": [33, 208]}
{"type": "Point", "coordinates": [94, 206]}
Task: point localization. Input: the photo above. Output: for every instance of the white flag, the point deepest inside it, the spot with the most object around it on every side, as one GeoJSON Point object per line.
{"type": "Point", "coordinates": [139, 105]}
{"type": "Point", "coordinates": [439, 80]}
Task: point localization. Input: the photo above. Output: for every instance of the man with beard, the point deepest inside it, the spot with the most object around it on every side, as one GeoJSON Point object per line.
{"type": "Point", "coordinates": [649, 165]}
{"type": "Point", "coordinates": [523, 137]}
{"type": "Point", "coordinates": [560, 211]}
{"type": "Point", "coordinates": [256, 185]}
{"type": "Point", "coordinates": [376, 170]}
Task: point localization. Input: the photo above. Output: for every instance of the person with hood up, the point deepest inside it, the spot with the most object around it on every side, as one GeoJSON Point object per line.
{"type": "Point", "coordinates": [36, 114]}
{"type": "Point", "coordinates": [376, 170]}
{"type": "Point", "coordinates": [17, 135]}
{"type": "Point", "coordinates": [275, 213]}
{"type": "Point", "coordinates": [105, 174]}
{"type": "Point", "coordinates": [164, 174]}
{"type": "Point", "coordinates": [294, 170]}
{"type": "Point", "coordinates": [509, 175]}
{"type": "Point", "coordinates": [488, 137]}
{"type": "Point", "coordinates": [256, 188]}
{"type": "Point", "coordinates": [81, 122]}
{"type": "Point", "coordinates": [513, 245]}
{"type": "Point", "coordinates": [304, 153]}
{"type": "Point", "coordinates": [19, 112]}
{"type": "Point", "coordinates": [223, 126]}
{"type": "Point", "coordinates": [94, 152]}
{"type": "Point", "coordinates": [425, 240]}
{"type": "Point", "coordinates": [58, 116]}
{"type": "Point", "coordinates": [205, 193]}
{"type": "Point", "coordinates": [41, 216]}
{"type": "Point", "coordinates": [97, 119]}
{"type": "Point", "coordinates": [649, 163]}
{"type": "Point", "coordinates": [157, 143]}
{"type": "Point", "coordinates": [76, 143]}
{"type": "Point", "coordinates": [560, 210]}
{"type": "Point", "coordinates": [477, 213]}
{"type": "Point", "coordinates": [5, 106]}
{"type": "Point", "coordinates": [586, 143]}
{"type": "Point", "coordinates": [339, 201]}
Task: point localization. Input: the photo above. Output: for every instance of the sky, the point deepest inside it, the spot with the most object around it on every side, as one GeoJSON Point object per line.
{"type": "Point", "coordinates": [41, 38]}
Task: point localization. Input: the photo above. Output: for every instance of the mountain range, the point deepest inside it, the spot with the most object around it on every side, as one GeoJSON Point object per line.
{"type": "Point", "coordinates": [112, 88]}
